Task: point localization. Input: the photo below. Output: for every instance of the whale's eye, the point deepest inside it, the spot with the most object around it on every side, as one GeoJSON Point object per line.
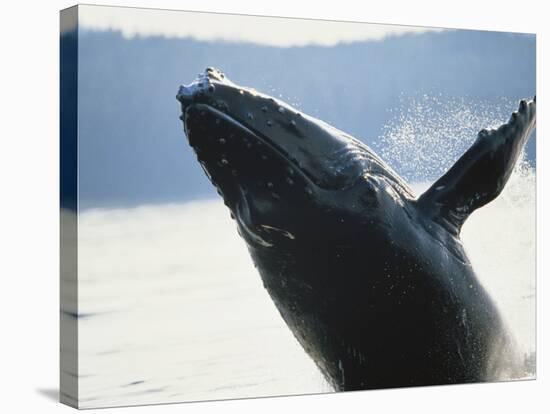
{"type": "Point", "coordinates": [344, 168]}
{"type": "Point", "coordinates": [346, 175]}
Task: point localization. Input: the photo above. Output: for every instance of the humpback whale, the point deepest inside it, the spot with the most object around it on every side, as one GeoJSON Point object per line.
{"type": "Point", "coordinates": [372, 280]}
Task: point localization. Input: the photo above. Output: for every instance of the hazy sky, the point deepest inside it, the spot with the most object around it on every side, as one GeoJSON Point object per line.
{"type": "Point", "coordinates": [209, 26]}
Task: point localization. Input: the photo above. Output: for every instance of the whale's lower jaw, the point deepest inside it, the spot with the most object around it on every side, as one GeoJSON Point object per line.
{"type": "Point", "coordinates": [258, 181]}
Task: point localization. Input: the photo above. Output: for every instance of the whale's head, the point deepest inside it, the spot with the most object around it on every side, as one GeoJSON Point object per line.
{"type": "Point", "coordinates": [269, 161]}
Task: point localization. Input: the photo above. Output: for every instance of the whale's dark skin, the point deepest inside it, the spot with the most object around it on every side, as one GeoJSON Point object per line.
{"type": "Point", "coordinates": [373, 282]}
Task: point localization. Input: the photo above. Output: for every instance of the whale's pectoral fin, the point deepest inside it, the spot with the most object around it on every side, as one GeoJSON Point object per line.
{"type": "Point", "coordinates": [479, 176]}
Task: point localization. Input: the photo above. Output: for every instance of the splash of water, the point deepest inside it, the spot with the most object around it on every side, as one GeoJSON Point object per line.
{"type": "Point", "coordinates": [421, 142]}
{"type": "Point", "coordinates": [426, 135]}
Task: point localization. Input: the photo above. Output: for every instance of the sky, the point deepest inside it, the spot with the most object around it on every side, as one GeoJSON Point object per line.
{"type": "Point", "coordinates": [132, 60]}
{"type": "Point", "coordinates": [272, 31]}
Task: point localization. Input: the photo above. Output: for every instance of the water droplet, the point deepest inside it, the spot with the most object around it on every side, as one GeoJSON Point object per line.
{"type": "Point", "coordinates": [275, 196]}
{"type": "Point", "coordinates": [231, 215]}
{"type": "Point", "coordinates": [241, 92]}
{"type": "Point", "coordinates": [218, 121]}
{"type": "Point", "coordinates": [281, 110]}
{"type": "Point", "coordinates": [290, 170]}
{"type": "Point", "coordinates": [264, 108]}
{"type": "Point", "coordinates": [249, 115]}
{"type": "Point", "coordinates": [290, 181]}
{"type": "Point", "coordinates": [234, 173]}
{"type": "Point", "coordinates": [221, 141]}
{"type": "Point", "coordinates": [308, 191]}
{"type": "Point", "coordinates": [264, 157]}
{"type": "Point", "coordinates": [293, 123]}
{"type": "Point", "coordinates": [224, 161]}
{"type": "Point", "coordinates": [269, 122]}
{"type": "Point", "coordinates": [248, 145]}
{"type": "Point", "coordinates": [211, 88]}
{"type": "Point", "coordinates": [270, 185]}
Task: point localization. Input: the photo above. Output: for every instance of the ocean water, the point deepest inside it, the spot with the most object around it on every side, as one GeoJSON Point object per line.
{"type": "Point", "coordinates": [174, 310]}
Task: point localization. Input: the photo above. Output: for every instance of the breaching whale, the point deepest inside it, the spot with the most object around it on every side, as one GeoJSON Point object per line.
{"type": "Point", "coordinates": [373, 282]}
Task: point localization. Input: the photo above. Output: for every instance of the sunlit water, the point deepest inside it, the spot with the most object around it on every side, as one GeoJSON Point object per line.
{"type": "Point", "coordinates": [173, 310]}
{"type": "Point", "coordinates": [177, 312]}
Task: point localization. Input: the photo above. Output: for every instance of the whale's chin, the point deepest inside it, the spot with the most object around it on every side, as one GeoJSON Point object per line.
{"type": "Point", "coordinates": [259, 182]}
